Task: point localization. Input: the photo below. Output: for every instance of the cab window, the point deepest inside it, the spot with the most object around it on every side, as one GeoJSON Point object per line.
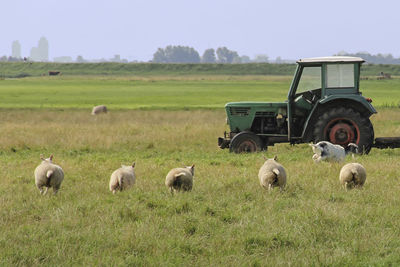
{"type": "Point", "coordinates": [340, 76]}
{"type": "Point", "coordinates": [310, 79]}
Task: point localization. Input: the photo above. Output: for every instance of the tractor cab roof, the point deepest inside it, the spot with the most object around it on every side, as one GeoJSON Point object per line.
{"type": "Point", "coordinates": [333, 59]}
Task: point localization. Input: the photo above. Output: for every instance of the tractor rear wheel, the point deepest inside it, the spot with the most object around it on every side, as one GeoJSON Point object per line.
{"type": "Point", "coordinates": [343, 126]}
{"type": "Point", "coordinates": [246, 142]}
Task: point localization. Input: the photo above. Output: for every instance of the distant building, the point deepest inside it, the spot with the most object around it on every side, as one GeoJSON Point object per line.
{"type": "Point", "coordinates": [41, 52]}
{"type": "Point", "coordinates": [16, 49]}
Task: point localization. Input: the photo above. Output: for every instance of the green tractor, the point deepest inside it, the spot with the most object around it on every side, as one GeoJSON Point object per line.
{"type": "Point", "coordinates": [324, 103]}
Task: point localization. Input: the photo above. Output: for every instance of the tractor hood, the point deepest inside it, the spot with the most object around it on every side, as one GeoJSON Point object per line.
{"type": "Point", "coordinates": [240, 115]}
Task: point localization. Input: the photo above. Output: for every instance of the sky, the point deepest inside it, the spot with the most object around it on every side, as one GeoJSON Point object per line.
{"type": "Point", "coordinates": [135, 29]}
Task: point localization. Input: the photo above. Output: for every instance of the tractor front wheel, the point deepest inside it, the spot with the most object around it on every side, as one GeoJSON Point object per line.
{"type": "Point", "coordinates": [343, 126]}
{"type": "Point", "coordinates": [246, 142]}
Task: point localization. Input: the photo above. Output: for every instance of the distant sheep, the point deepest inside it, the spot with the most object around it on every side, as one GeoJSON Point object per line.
{"type": "Point", "coordinates": [99, 109]}
{"type": "Point", "coordinates": [48, 175]}
{"type": "Point", "coordinates": [180, 179]}
{"type": "Point", "coordinates": [122, 178]}
{"type": "Point", "coordinates": [326, 151]}
{"type": "Point", "coordinates": [54, 73]}
{"type": "Point", "coordinates": [352, 175]}
{"type": "Point", "coordinates": [272, 174]}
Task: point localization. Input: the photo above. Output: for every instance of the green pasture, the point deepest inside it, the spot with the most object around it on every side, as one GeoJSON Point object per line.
{"type": "Point", "coordinates": [162, 122]}
{"type": "Point", "coordinates": [163, 92]}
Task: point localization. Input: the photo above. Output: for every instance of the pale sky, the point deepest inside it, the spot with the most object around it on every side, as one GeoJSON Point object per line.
{"type": "Point", "coordinates": [135, 29]}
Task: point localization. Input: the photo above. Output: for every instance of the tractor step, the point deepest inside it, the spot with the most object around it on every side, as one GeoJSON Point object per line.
{"type": "Point", "coordinates": [385, 142]}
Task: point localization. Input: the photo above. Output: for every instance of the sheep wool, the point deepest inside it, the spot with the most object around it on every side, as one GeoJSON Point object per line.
{"type": "Point", "coordinates": [180, 179]}
{"type": "Point", "coordinates": [48, 174]}
{"type": "Point", "coordinates": [352, 175]}
{"type": "Point", "coordinates": [99, 109]}
{"type": "Point", "coordinates": [272, 174]}
{"type": "Point", "coordinates": [122, 178]}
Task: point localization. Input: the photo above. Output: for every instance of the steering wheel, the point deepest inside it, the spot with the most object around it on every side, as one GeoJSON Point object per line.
{"type": "Point", "coordinates": [310, 96]}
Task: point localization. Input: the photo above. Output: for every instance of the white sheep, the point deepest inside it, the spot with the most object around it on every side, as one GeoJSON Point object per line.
{"type": "Point", "coordinates": [122, 178]}
{"type": "Point", "coordinates": [180, 179]}
{"type": "Point", "coordinates": [326, 151]}
{"type": "Point", "coordinates": [99, 109]}
{"type": "Point", "coordinates": [272, 174]}
{"type": "Point", "coordinates": [352, 175]}
{"type": "Point", "coordinates": [48, 174]}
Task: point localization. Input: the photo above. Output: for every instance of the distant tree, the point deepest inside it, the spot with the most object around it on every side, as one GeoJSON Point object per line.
{"type": "Point", "coordinates": [209, 56]}
{"type": "Point", "coordinates": [176, 54]}
{"type": "Point", "coordinates": [278, 60]}
{"type": "Point", "coordinates": [116, 58]}
{"type": "Point", "coordinates": [261, 58]}
{"type": "Point", "coordinates": [237, 60]}
{"type": "Point", "coordinates": [3, 58]}
{"type": "Point", "coordinates": [159, 56]}
{"type": "Point", "coordinates": [80, 59]}
{"type": "Point", "coordinates": [225, 55]}
{"type": "Point", "coordinates": [245, 59]}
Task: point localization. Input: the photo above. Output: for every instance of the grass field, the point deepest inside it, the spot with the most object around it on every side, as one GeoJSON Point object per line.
{"type": "Point", "coordinates": [163, 92]}
{"type": "Point", "coordinates": [228, 219]}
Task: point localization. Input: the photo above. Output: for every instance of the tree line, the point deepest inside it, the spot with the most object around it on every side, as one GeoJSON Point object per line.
{"type": "Point", "coordinates": [186, 54]}
{"type": "Point", "coordinates": [373, 59]}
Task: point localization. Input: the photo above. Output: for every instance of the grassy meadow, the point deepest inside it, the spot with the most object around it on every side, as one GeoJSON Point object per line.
{"type": "Point", "coordinates": [165, 122]}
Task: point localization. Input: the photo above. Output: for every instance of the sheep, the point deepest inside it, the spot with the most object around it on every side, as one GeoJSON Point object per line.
{"type": "Point", "coordinates": [272, 174]}
{"type": "Point", "coordinates": [326, 151]}
{"type": "Point", "coordinates": [180, 179]}
{"type": "Point", "coordinates": [122, 178]}
{"type": "Point", "coordinates": [352, 175]}
{"type": "Point", "coordinates": [48, 174]}
{"type": "Point", "coordinates": [99, 109]}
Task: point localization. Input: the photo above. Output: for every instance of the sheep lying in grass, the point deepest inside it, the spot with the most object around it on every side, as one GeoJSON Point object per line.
{"type": "Point", "coordinates": [180, 179]}
{"type": "Point", "coordinates": [99, 109]}
{"type": "Point", "coordinates": [352, 175]}
{"type": "Point", "coordinates": [326, 151]}
{"type": "Point", "coordinates": [122, 178]}
{"type": "Point", "coordinates": [48, 175]}
{"type": "Point", "coordinates": [272, 174]}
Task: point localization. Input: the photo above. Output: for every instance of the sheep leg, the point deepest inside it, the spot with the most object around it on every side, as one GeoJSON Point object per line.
{"type": "Point", "coordinates": [55, 190]}
{"type": "Point", "coordinates": [269, 187]}
{"type": "Point", "coordinates": [45, 190]}
{"type": "Point", "coordinates": [40, 189]}
{"type": "Point", "coordinates": [346, 186]}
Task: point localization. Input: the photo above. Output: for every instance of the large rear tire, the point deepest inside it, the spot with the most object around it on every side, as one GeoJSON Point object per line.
{"type": "Point", "coordinates": [246, 142]}
{"type": "Point", "coordinates": [343, 126]}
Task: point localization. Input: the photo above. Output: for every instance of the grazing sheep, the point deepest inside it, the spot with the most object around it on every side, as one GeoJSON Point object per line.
{"type": "Point", "coordinates": [352, 175]}
{"type": "Point", "coordinates": [122, 178]}
{"type": "Point", "coordinates": [326, 151]}
{"type": "Point", "coordinates": [99, 109]}
{"type": "Point", "coordinates": [180, 179]}
{"type": "Point", "coordinates": [272, 174]}
{"type": "Point", "coordinates": [48, 175]}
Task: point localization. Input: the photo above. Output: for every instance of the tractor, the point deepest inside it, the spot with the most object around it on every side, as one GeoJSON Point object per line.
{"type": "Point", "coordinates": [324, 104]}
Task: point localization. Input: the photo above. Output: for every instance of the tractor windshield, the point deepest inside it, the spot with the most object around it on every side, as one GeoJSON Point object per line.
{"type": "Point", "coordinates": [310, 79]}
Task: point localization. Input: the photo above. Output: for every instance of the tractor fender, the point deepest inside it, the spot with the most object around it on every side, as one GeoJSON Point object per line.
{"type": "Point", "coordinates": [356, 102]}
{"type": "Point", "coordinates": [353, 99]}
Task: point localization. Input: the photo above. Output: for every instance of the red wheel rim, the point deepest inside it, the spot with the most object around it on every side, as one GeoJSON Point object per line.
{"type": "Point", "coordinates": [341, 134]}
{"type": "Point", "coordinates": [247, 146]}
{"type": "Point", "coordinates": [342, 131]}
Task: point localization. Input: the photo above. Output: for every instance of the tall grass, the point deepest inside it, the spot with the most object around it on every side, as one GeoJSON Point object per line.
{"type": "Point", "coordinates": [228, 219]}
